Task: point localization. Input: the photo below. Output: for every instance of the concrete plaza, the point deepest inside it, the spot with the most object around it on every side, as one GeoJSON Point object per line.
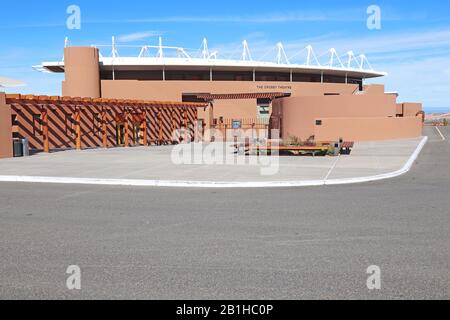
{"type": "Point", "coordinates": [156, 163]}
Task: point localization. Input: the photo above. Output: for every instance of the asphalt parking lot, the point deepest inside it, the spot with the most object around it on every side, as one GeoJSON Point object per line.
{"type": "Point", "coordinates": [293, 243]}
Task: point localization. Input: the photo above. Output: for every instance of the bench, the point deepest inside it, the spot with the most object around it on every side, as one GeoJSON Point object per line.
{"type": "Point", "coordinates": [297, 150]}
{"type": "Point", "coordinates": [347, 147]}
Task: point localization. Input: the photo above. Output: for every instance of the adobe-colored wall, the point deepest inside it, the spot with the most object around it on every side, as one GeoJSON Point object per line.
{"type": "Point", "coordinates": [229, 109]}
{"type": "Point", "coordinates": [368, 129]}
{"type": "Point", "coordinates": [5, 129]}
{"type": "Point", "coordinates": [82, 73]}
{"type": "Point", "coordinates": [411, 109]}
{"type": "Point", "coordinates": [299, 114]}
{"type": "Point", "coordinates": [374, 89]}
{"type": "Point", "coordinates": [408, 109]}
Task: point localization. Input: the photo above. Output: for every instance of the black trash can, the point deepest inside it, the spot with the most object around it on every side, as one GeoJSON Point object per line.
{"type": "Point", "coordinates": [17, 148]}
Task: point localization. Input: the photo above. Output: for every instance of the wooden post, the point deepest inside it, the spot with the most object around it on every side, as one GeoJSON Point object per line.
{"type": "Point", "coordinates": [144, 128]}
{"type": "Point", "coordinates": [104, 131]}
{"type": "Point", "coordinates": [160, 126]}
{"type": "Point", "coordinates": [174, 126]}
{"type": "Point", "coordinates": [78, 129]}
{"type": "Point", "coordinates": [185, 116]}
{"type": "Point", "coordinates": [45, 130]}
{"type": "Point", "coordinates": [125, 126]}
{"type": "Point", "coordinates": [225, 135]}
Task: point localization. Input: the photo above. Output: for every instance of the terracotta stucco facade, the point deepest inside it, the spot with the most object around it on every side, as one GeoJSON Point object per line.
{"type": "Point", "coordinates": [6, 150]}
{"type": "Point", "coordinates": [368, 128]}
{"type": "Point", "coordinates": [294, 116]}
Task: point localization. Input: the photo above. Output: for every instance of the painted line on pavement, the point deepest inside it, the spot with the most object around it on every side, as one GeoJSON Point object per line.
{"type": "Point", "coordinates": [440, 133]}
{"type": "Point", "coordinates": [218, 184]}
{"type": "Point", "coordinates": [332, 168]}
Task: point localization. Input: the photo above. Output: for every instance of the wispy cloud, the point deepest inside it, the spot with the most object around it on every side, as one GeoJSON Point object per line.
{"type": "Point", "coordinates": [347, 15]}
{"type": "Point", "coordinates": [417, 61]}
{"type": "Point", "coordinates": [379, 45]}
{"type": "Point", "coordinates": [137, 36]}
{"type": "Point", "coordinates": [355, 14]}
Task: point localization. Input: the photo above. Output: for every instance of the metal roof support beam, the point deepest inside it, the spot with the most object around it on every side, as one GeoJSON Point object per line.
{"type": "Point", "coordinates": [334, 54]}
{"type": "Point", "coordinates": [311, 55]}
{"type": "Point", "coordinates": [363, 60]}
{"type": "Point", "coordinates": [114, 51]}
{"type": "Point", "coordinates": [351, 59]}
{"type": "Point", "coordinates": [205, 51]}
{"type": "Point", "coordinates": [161, 49]}
{"type": "Point", "coordinates": [246, 55]}
{"type": "Point", "coordinates": [281, 54]}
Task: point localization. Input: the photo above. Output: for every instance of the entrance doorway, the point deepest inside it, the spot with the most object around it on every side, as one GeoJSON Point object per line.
{"type": "Point", "coordinates": [120, 134]}
{"type": "Point", "coordinates": [137, 138]}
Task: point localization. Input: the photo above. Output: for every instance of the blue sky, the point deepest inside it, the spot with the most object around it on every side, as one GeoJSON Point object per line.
{"type": "Point", "coordinates": [413, 45]}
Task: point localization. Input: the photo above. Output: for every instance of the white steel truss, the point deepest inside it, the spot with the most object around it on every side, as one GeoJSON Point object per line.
{"type": "Point", "coordinates": [246, 55]}
{"type": "Point", "coordinates": [281, 55]}
{"type": "Point", "coordinates": [161, 54]}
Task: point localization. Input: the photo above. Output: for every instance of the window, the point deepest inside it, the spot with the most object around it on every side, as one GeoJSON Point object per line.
{"type": "Point", "coordinates": [188, 75]}
{"type": "Point", "coordinates": [299, 77]}
{"type": "Point", "coordinates": [237, 124]}
{"type": "Point", "coordinates": [15, 127]}
{"type": "Point", "coordinates": [14, 121]}
{"type": "Point", "coordinates": [272, 76]}
{"type": "Point", "coordinates": [232, 76]}
{"type": "Point", "coordinates": [318, 122]}
{"type": "Point", "coordinates": [144, 75]}
{"type": "Point", "coordinates": [263, 108]}
{"type": "Point", "coordinates": [333, 79]}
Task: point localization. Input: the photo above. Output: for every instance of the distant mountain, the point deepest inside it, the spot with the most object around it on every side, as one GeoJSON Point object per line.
{"type": "Point", "coordinates": [436, 110]}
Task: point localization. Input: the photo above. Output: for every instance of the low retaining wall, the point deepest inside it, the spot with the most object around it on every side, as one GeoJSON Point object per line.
{"type": "Point", "coordinates": [299, 113]}
{"type": "Point", "coordinates": [368, 129]}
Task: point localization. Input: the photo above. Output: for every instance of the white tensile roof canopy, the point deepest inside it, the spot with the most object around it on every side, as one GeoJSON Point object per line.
{"type": "Point", "coordinates": [155, 56]}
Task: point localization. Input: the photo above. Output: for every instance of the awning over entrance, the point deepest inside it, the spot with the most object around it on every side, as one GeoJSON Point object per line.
{"type": "Point", "coordinates": [242, 96]}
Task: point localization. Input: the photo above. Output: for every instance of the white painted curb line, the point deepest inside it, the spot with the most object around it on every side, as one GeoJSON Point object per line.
{"type": "Point", "coordinates": [406, 168]}
{"type": "Point", "coordinates": [218, 184]}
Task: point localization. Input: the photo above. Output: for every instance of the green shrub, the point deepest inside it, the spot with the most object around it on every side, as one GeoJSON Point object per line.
{"type": "Point", "coordinates": [294, 141]}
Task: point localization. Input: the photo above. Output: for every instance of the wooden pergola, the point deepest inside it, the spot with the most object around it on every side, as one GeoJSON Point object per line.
{"type": "Point", "coordinates": [135, 108]}
{"type": "Point", "coordinates": [241, 96]}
